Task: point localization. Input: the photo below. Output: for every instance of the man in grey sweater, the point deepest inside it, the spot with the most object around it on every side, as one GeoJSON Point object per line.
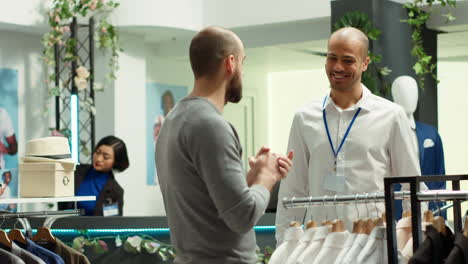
{"type": "Point", "coordinates": [211, 203]}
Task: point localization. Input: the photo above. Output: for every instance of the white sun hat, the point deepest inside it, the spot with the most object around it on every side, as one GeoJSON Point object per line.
{"type": "Point", "coordinates": [48, 149]}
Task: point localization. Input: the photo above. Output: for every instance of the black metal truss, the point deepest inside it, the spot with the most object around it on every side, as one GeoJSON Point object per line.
{"type": "Point", "coordinates": [65, 72]}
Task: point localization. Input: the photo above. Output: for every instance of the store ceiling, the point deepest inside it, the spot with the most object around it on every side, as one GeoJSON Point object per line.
{"type": "Point", "coordinates": [453, 46]}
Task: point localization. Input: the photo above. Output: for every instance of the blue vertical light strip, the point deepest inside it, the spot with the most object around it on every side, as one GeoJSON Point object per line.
{"type": "Point", "coordinates": [74, 111]}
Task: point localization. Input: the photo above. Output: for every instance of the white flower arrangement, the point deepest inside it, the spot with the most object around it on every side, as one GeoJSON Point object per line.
{"type": "Point", "coordinates": [81, 78]}
{"type": "Point", "coordinates": [59, 17]}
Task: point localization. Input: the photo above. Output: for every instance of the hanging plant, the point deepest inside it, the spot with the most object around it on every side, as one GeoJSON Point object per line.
{"type": "Point", "coordinates": [106, 37]}
{"type": "Point", "coordinates": [373, 78]}
{"type": "Point", "coordinates": [417, 19]}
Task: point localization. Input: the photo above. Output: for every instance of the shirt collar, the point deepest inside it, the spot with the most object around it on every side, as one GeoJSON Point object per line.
{"type": "Point", "coordinates": [364, 103]}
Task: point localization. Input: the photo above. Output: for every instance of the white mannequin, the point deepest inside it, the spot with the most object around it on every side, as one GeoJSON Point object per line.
{"type": "Point", "coordinates": [405, 93]}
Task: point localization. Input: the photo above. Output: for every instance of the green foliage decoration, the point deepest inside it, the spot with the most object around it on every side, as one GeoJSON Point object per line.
{"type": "Point", "coordinates": [142, 244]}
{"type": "Point", "coordinates": [417, 19]}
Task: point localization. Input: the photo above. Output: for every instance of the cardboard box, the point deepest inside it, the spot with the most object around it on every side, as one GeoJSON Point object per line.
{"type": "Point", "coordinates": [46, 179]}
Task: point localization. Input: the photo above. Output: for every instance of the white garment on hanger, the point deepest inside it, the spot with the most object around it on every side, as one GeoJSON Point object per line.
{"type": "Point", "coordinates": [359, 243]}
{"type": "Point", "coordinates": [346, 247]}
{"type": "Point", "coordinates": [407, 251]}
{"type": "Point", "coordinates": [375, 250]}
{"type": "Point", "coordinates": [315, 245]}
{"type": "Point", "coordinates": [403, 232]}
{"type": "Point", "coordinates": [291, 239]}
{"type": "Point", "coordinates": [302, 245]}
{"type": "Point", "coordinates": [332, 246]}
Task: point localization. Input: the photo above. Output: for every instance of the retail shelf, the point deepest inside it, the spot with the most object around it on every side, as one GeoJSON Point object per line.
{"type": "Point", "coordinates": [47, 199]}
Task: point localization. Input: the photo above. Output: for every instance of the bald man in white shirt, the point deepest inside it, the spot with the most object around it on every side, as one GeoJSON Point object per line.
{"type": "Point", "coordinates": [347, 141]}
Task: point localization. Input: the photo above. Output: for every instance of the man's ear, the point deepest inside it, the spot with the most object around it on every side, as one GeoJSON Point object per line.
{"type": "Point", "coordinates": [230, 64]}
{"type": "Point", "coordinates": [365, 63]}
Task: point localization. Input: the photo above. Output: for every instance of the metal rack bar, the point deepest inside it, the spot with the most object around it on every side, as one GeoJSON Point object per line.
{"type": "Point", "coordinates": [444, 208]}
{"type": "Point", "coordinates": [40, 214]}
{"type": "Point", "coordinates": [51, 216]}
{"type": "Point", "coordinates": [442, 195]}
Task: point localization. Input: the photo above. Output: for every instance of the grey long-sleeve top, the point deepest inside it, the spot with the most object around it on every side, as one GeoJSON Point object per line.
{"type": "Point", "coordinates": [211, 211]}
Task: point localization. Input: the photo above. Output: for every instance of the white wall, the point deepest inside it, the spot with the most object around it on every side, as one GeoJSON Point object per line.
{"type": "Point", "coordinates": [452, 91]}
{"type": "Point", "coordinates": [289, 91]}
{"type": "Point", "coordinates": [169, 71]}
{"type": "Point", "coordinates": [129, 121]}
{"type": "Point", "coordinates": [452, 94]}
{"type": "Point", "coordinates": [255, 83]}
{"type": "Point", "coordinates": [22, 52]}
{"type": "Point", "coordinates": [104, 100]}
{"type": "Point", "coordinates": [24, 12]}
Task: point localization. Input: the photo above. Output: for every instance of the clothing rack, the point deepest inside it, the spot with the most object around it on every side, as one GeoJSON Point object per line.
{"type": "Point", "coordinates": [51, 216]}
{"type": "Point", "coordinates": [416, 198]}
{"type": "Point", "coordinates": [7, 214]}
{"type": "Point", "coordinates": [303, 202]}
{"type": "Point", "coordinates": [389, 196]}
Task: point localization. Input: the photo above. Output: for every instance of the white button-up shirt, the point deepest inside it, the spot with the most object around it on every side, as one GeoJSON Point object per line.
{"type": "Point", "coordinates": [378, 145]}
{"type": "Point", "coordinates": [358, 244]}
{"type": "Point", "coordinates": [331, 248]}
{"type": "Point", "coordinates": [291, 240]}
{"type": "Point", "coordinates": [314, 247]}
{"type": "Point", "coordinates": [375, 250]}
{"type": "Point", "coordinates": [302, 245]}
{"type": "Point", "coordinates": [346, 247]}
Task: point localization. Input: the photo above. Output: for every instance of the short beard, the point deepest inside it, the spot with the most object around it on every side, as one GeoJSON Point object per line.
{"type": "Point", "coordinates": [234, 90]}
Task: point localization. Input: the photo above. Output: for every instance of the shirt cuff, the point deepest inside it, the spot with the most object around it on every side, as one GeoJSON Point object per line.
{"type": "Point", "coordinates": [262, 190]}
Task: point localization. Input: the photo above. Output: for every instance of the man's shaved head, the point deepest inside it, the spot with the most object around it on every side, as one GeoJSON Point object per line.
{"type": "Point", "coordinates": [347, 59]}
{"type": "Point", "coordinates": [352, 34]}
{"type": "Point", "coordinates": [209, 47]}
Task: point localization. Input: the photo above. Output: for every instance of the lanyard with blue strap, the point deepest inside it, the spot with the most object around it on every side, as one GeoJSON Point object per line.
{"type": "Point", "coordinates": [328, 131]}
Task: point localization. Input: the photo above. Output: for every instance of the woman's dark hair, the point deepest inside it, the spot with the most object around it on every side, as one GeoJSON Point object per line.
{"type": "Point", "coordinates": [121, 162]}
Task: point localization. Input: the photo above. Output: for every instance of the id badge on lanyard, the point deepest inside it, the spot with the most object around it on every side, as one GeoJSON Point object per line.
{"type": "Point", "coordinates": [110, 208]}
{"type": "Point", "coordinates": [335, 180]}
